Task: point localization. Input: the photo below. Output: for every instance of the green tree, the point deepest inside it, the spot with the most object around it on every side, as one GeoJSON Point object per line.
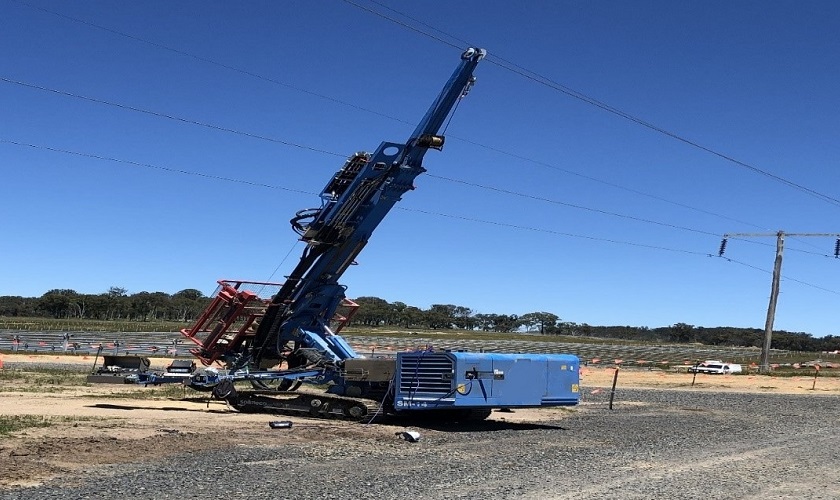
{"type": "Point", "coordinates": [18, 306]}
{"type": "Point", "coordinates": [682, 332]}
{"type": "Point", "coordinates": [483, 322]}
{"type": "Point", "coordinates": [543, 322]}
{"type": "Point", "coordinates": [141, 305]}
{"type": "Point", "coordinates": [411, 316]}
{"type": "Point", "coordinates": [507, 323]}
{"type": "Point", "coordinates": [567, 328]}
{"type": "Point", "coordinates": [160, 302]}
{"type": "Point", "coordinates": [59, 303]}
{"type": "Point", "coordinates": [373, 311]}
{"type": "Point", "coordinates": [440, 316]}
{"type": "Point", "coordinates": [97, 306]}
{"type": "Point", "coordinates": [463, 317]}
{"type": "Point", "coordinates": [118, 302]}
{"type": "Point", "coordinates": [187, 304]}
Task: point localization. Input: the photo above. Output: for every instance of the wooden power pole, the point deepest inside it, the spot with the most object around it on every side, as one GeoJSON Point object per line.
{"type": "Point", "coordinates": [764, 367]}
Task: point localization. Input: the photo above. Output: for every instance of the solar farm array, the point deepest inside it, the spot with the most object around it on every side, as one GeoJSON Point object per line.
{"type": "Point", "coordinates": [169, 344]}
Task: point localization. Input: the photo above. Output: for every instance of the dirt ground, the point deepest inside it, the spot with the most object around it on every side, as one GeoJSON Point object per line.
{"type": "Point", "coordinates": [103, 424]}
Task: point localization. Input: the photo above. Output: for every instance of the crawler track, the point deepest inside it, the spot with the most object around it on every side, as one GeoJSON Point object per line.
{"type": "Point", "coordinates": [297, 403]}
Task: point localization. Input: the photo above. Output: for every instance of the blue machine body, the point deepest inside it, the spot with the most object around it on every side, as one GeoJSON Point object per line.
{"type": "Point", "coordinates": [436, 380]}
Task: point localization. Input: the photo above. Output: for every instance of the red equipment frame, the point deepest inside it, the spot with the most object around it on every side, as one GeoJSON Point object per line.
{"type": "Point", "coordinates": [234, 314]}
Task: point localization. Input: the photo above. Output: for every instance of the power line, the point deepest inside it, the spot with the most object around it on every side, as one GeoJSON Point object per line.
{"type": "Point", "coordinates": [367, 110]}
{"type": "Point", "coordinates": [490, 188]}
{"type": "Point", "coordinates": [570, 205]}
{"type": "Point", "coordinates": [331, 153]}
{"type": "Point", "coordinates": [292, 144]}
{"type": "Point", "coordinates": [169, 116]}
{"type": "Point", "coordinates": [559, 233]}
{"type": "Point", "coordinates": [156, 167]}
{"type": "Point", "coordinates": [600, 211]}
{"type": "Point", "coordinates": [377, 113]}
{"type": "Point", "coordinates": [566, 90]}
{"type": "Point", "coordinates": [318, 150]}
{"type": "Point", "coordinates": [380, 114]}
{"type": "Point", "coordinates": [271, 139]}
{"type": "Point", "coordinates": [406, 25]}
{"type": "Point", "coordinates": [786, 278]}
{"type": "Point", "coordinates": [551, 84]}
{"type": "Point", "coordinates": [209, 61]}
{"type": "Point", "coordinates": [273, 186]}
{"type": "Point", "coordinates": [426, 212]}
{"type": "Point", "coordinates": [606, 183]}
{"type": "Point", "coordinates": [548, 82]}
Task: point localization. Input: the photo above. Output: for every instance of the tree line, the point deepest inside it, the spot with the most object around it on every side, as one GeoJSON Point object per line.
{"type": "Point", "coordinates": [185, 306]}
{"type": "Point", "coordinates": [115, 304]}
{"type": "Point", "coordinates": [374, 312]}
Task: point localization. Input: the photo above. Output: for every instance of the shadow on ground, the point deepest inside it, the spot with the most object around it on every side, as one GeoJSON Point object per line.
{"type": "Point", "coordinates": [110, 406]}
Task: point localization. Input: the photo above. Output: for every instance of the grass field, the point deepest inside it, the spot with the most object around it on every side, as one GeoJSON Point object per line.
{"type": "Point", "coordinates": [37, 324]}
{"type": "Point", "coordinates": [87, 325]}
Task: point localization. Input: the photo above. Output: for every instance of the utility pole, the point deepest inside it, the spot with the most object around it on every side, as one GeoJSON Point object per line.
{"type": "Point", "coordinates": [771, 309]}
{"type": "Point", "coordinates": [764, 367]}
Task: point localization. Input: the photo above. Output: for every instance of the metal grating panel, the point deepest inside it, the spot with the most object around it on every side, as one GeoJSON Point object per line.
{"type": "Point", "coordinates": [426, 373]}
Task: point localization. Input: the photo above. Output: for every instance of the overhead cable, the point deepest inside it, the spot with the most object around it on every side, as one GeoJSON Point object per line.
{"type": "Point", "coordinates": [548, 82]}
{"type": "Point", "coordinates": [323, 151]}
{"type": "Point", "coordinates": [570, 205]}
{"type": "Point", "coordinates": [384, 115]}
{"type": "Point", "coordinates": [209, 61]}
{"type": "Point", "coordinates": [156, 167]}
{"type": "Point", "coordinates": [169, 116]}
{"type": "Point", "coordinates": [273, 186]}
{"type": "Point", "coordinates": [788, 278]}
{"type": "Point", "coordinates": [427, 212]}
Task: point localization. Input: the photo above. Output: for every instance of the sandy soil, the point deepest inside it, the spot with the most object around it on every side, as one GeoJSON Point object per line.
{"type": "Point", "coordinates": [643, 378]}
{"type": "Point", "coordinates": [99, 424]}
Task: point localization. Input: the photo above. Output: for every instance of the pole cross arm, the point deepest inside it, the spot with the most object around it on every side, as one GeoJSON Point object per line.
{"type": "Point", "coordinates": [759, 235]}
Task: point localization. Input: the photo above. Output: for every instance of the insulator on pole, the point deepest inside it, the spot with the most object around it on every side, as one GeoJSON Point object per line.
{"type": "Point", "coordinates": [723, 247]}
{"type": "Point", "coordinates": [837, 248]}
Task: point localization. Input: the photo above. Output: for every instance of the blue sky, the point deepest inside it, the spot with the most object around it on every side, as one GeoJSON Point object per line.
{"type": "Point", "coordinates": [145, 204]}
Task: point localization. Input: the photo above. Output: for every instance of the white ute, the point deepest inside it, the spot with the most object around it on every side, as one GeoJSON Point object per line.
{"type": "Point", "coordinates": [716, 367]}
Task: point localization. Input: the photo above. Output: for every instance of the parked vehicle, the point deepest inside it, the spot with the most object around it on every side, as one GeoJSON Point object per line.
{"type": "Point", "coordinates": [716, 367]}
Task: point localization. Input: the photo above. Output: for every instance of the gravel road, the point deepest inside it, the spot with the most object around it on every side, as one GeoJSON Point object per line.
{"type": "Point", "coordinates": [653, 444]}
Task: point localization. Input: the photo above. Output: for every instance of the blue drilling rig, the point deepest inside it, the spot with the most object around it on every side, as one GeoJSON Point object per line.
{"type": "Point", "coordinates": [280, 340]}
